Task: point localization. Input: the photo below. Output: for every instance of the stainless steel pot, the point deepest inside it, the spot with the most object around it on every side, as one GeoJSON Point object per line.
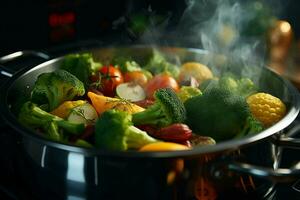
{"type": "Point", "coordinates": [60, 171]}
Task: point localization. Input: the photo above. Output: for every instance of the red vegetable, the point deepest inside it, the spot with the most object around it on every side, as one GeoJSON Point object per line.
{"type": "Point", "coordinates": [160, 81]}
{"type": "Point", "coordinates": [108, 79]}
{"type": "Point", "coordinates": [173, 133]}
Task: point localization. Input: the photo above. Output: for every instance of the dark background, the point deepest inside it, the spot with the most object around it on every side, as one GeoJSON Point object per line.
{"type": "Point", "coordinates": [34, 24]}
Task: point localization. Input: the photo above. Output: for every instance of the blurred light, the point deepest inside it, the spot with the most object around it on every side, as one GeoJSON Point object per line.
{"type": "Point", "coordinates": [285, 27]}
{"type": "Point", "coordinates": [75, 171]}
{"type": "Point", "coordinates": [71, 197]}
{"type": "Point", "coordinates": [61, 19]}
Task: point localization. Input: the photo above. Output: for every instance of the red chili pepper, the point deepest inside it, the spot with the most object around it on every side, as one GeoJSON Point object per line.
{"type": "Point", "coordinates": [151, 130]}
{"type": "Point", "coordinates": [174, 133]}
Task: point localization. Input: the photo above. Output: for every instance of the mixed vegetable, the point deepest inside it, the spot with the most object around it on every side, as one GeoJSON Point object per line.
{"type": "Point", "coordinates": [159, 106]}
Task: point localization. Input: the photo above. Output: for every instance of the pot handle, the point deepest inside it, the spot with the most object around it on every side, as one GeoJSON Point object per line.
{"type": "Point", "coordinates": [287, 140]}
{"type": "Point", "coordinates": [276, 175]}
{"type": "Point", "coordinates": [13, 56]}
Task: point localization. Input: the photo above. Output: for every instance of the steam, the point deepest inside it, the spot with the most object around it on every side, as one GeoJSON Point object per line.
{"type": "Point", "coordinates": [227, 28]}
{"type": "Point", "coordinates": [219, 27]}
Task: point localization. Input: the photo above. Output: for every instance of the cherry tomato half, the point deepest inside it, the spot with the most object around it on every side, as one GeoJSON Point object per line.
{"type": "Point", "coordinates": [109, 78]}
{"type": "Point", "coordinates": [160, 81]}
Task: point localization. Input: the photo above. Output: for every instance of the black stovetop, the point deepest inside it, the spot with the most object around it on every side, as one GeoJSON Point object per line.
{"type": "Point", "coordinates": [12, 187]}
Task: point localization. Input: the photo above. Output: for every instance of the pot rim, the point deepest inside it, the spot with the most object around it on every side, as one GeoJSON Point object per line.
{"type": "Point", "coordinates": [229, 145]}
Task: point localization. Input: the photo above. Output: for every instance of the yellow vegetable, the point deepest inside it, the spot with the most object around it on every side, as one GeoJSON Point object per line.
{"type": "Point", "coordinates": [163, 146]}
{"type": "Point", "coordinates": [103, 103]}
{"type": "Point", "coordinates": [65, 108]}
{"type": "Point", "coordinates": [194, 69]}
{"type": "Point", "coordinates": [266, 108]}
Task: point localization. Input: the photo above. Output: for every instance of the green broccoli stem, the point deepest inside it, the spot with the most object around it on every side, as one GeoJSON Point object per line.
{"type": "Point", "coordinates": [74, 128]}
{"type": "Point", "coordinates": [52, 130]}
{"type": "Point", "coordinates": [137, 138]}
{"type": "Point", "coordinates": [83, 143]}
{"type": "Point", "coordinates": [251, 127]}
{"type": "Point", "coordinates": [152, 115]}
{"type": "Point", "coordinates": [38, 116]}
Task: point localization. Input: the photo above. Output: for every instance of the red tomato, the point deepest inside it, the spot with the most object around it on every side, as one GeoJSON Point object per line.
{"type": "Point", "coordinates": [109, 78]}
{"type": "Point", "coordinates": [160, 81]}
{"type": "Point", "coordinates": [136, 77]}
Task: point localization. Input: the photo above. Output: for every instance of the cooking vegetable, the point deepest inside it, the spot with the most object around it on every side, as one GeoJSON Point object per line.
{"type": "Point", "coordinates": [81, 65]}
{"type": "Point", "coordinates": [107, 80]}
{"type": "Point", "coordinates": [160, 81]}
{"type": "Point", "coordinates": [103, 103]}
{"type": "Point", "coordinates": [115, 131]}
{"type": "Point", "coordinates": [267, 108]}
{"type": "Point", "coordinates": [194, 69]}
{"type": "Point", "coordinates": [137, 77]}
{"type": "Point", "coordinates": [131, 91]}
{"type": "Point", "coordinates": [252, 126]}
{"type": "Point", "coordinates": [240, 86]}
{"type": "Point", "coordinates": [166, 110]}
{"type": "Point", "coordinates": [126, 64]}
{"type": "Point", "coordinates": [84, 113]}
{"type": "Point", "coordinates": [164, 146]}
{"type": "Point", "coordinates": [173, 133]}
{"type": "Point", "coordinates": [32, 116]}
{"type": "Point", "coordinates": [83, 143]}
{"type": "Point", "coordinates": [198, 140]}
{"type": "Point", "coordinates": [158, 64]}
{"type": "Point", "coordinates": [53, 88]}
{"type": "Point", "coordinates": [186, 92]}
{"type": "Point", "coordinates": [64, 109]}
{"type": "Point", "coordinates": [217, 113]}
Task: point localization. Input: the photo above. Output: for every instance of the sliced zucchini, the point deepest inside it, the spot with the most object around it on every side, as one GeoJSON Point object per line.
{"type": "Point", "coordinates": [84, 113]}
{"type": "Point", "coordinates": [131, 91]}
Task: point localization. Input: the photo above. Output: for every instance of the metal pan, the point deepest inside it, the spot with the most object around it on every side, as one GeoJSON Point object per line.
{"type": "Point", "coordinates": [67, 171]}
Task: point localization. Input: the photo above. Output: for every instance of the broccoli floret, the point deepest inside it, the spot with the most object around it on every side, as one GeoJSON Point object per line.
{"type": "Point", "coordinates": [158, 64]}
{"type": "Point", "coordinates": [187, 92]}
{"type": "Point", "coordinates": [166, 110]}
{"type": "Point", "coordinates": [246, 87]}
{"type": "Point", "coordinates": [115, 131]}
{"type": "Point", "coordinates": [217, 113]}
{"type": "Point", "coordinates": [55, 87]}
{"type": "Point", "coordinates": [252, 126]}
{"type": "Point", "coordinates": [126, 64]}
{"type": "Point", "coordinates": [81, 65]}
{"type": "Point", "coordinates": [243, 86]}
{"type": "Point", "coordinates": [32, 116]}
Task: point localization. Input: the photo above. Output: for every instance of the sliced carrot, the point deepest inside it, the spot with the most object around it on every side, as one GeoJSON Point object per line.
{"type": "Point", "coordinates": [163, 146]}
{"type": "Point", "coordinates": [102, 103]}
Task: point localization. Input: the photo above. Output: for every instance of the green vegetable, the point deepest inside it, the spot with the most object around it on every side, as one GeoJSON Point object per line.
{"type": "Point", "coordinates": [246, 87]}
{"type": "Point", "coordinates": [158, 64]}
{"type": "Point", "coordinates": [83, 143]}
{"type": "Point", "coordinates": [166, 110]}
{"type": "Point", "coordinates": [217, 113]}
{"type": "Point", "coordinates": [81, 65]}
{"type": "Point", "coordinates": [243, 86]}
{"type": "Point", "coordinates": [126, 64]}
{"type": "Point", "coordinates": [32, 116]}
{"type": "Point", "coordinates": [115, 131]}
{"type": "Point", "coordinates": [252, 126]}
{"type": "Point", "coordinates": [186, 92]}
{"type": "Point", "coordinates": [55, 87]}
